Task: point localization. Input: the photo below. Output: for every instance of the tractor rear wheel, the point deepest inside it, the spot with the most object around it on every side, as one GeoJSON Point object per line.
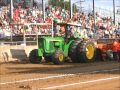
{"type": "Point", "coordinates": [58, 57]}
{"type": "Point", "coordinates": [33, 57]}
{"type": "Point", "coordinates": [73, 51]}
{"type": "Point", "coordinates": [86, 51]}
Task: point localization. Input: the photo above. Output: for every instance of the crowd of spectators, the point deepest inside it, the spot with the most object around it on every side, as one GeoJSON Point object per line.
{"type": "Point", "coordinates": [22, 21]}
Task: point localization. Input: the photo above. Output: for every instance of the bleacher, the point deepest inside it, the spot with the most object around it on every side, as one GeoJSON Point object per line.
{"type": "Point", "coordinates": [108, 13]}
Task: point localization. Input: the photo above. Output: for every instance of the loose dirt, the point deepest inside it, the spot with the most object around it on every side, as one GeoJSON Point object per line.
{"type": "Point", "coordinates": [19, 76]}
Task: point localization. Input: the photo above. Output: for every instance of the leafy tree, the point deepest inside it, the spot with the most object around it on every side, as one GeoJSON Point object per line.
{"type": "Point", "coordinates": [63, 4]}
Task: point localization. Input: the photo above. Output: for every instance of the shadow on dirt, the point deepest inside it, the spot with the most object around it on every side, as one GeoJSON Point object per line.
{"type": "Point", "coordinates": [68, 68]}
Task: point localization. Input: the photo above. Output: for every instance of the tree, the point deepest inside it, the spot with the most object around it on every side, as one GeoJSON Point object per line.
{"type": "Point", "coordinates": [64, 4]}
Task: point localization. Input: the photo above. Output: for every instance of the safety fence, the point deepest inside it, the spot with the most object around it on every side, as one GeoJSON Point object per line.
{"type": "Point", "coordinates": [25, 33]}
{"type": "Point", "coordinates": [16, 29]}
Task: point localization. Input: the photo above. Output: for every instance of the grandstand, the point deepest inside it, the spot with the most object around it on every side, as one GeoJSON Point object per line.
{"type": "Point", "coordinates": [107, 13]}
{"type": "Point", "coordinates": [35, 15]}
{"type": "Point", "coordinates": [23, 3]}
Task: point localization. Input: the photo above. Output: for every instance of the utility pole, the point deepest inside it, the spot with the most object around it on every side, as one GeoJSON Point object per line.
{"type": "Point", "coordinates": [118, 10]}
{"type": "Point", "coordinates": [81, 7]}
{"type": "Point", "coordinates": [71, 6]}
{"type": "Point", "coordinates": [114, 10]}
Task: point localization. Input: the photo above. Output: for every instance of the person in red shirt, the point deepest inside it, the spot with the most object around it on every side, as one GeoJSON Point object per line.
{"type": "Point", "coordinates": [115, 49]}
{"type": "Point", "coordinates": [119, 51]}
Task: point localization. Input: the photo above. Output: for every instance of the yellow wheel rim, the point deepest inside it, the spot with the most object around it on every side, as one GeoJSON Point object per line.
{"type": "Point", "coordinates": [89, 51]}
{"type": "Point", "coordinates": [61, 57]}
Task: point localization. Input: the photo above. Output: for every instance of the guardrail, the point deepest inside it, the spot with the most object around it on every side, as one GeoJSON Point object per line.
{"type": "Point", "coordinates": [22, 43]}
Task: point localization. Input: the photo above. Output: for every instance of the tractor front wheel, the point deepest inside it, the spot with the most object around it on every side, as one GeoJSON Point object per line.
{"type": "Point", "coordinates": [58, 57]}
{"type": "Point", "coordinates": [33, 57]}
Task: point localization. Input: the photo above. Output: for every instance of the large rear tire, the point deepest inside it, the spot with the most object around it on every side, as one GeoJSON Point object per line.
{"type": "Point", "coordinates": [58, 57]}
{"type": "Point", "coordinates": [86, 52]}
{"type": "Point", "coordinates": [73, 51]}
{"type": "Point", "coordinates": [33, 57]}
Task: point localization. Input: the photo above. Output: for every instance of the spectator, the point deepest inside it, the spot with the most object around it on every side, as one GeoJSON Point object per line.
{"type": "Point", "coordinates": [105, 26]}
{"type": "Point", "coordinates": [115, 50]}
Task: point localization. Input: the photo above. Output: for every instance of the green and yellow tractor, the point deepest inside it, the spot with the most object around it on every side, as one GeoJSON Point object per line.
{"type": "Point", "coordinates": [58, 48]}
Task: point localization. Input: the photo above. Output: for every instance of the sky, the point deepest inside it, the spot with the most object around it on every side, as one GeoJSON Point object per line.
{"type": "Point", "coordinates": [106, 4]}
{"type": "Point", "coordinates": [99, 3]}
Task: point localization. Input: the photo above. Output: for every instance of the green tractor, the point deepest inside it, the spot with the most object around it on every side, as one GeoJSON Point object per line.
{"type": "Point", "coordinates": [58, 48]}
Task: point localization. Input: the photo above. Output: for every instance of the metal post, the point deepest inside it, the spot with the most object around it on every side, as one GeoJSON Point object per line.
{"type": "Point", "coordinates": [94, 13]}
{"type": "Point", "coordinates": [11, 9]}
{"type": "Point", "coordinates": [52, 32]}
{"type": "Point", "coordinates": [24, 38]}
{"type": "Point", "coordinates": [71, 9]}
{"type": "Point", "coordinates": [11, 16]}
{"type": "Point", "coordinates": [114, 10]}
{"type": "Point", "coordinates": [37, 37]}
{"type": "Point", "coordinates": [11, 37]}
{"type": "Point", "coordinates": [43, 9]}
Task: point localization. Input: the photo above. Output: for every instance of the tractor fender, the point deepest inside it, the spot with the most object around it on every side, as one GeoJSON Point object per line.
{"type": "Point", "coordinates": [66, 47]}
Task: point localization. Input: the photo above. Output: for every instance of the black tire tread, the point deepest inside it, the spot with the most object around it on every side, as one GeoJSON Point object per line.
{"type": "Point", "coordinates": [55, 57]}
{"type": "Point", "coordinates": [33, 58]}
{"type": "Point", "coordinates": [73, 51]}
{"type": "Point", "coordinates": [81, 52]}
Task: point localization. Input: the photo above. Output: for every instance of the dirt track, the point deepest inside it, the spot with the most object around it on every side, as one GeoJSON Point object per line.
{"type": "Point", "coordinates": [92, 76]}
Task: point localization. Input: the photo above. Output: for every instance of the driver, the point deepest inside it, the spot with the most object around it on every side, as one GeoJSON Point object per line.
{"type": "Point", "coordinates": [62, 31]}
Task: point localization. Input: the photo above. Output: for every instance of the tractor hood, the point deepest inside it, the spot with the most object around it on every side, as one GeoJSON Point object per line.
{"type": "Point", "coordinates": [50, 44]}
